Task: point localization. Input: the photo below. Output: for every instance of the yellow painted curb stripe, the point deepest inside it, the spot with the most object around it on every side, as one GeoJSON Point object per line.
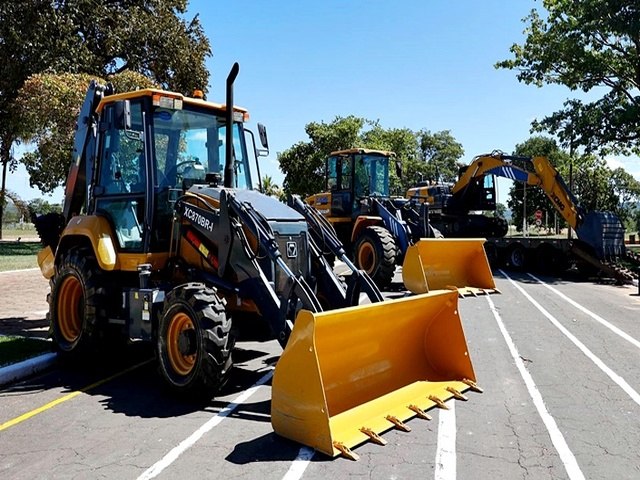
{"type": "Point", "coordinates": [69, 396]}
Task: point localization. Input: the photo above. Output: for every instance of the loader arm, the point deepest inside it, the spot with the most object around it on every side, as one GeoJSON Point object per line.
{"type": "Point", "coordinates": [322, 233]}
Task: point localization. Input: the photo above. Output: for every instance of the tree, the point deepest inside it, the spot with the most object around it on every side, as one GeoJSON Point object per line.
{"type": "Point", "coordinates": [47, 107]}
{"type": "Point", "coordinates": [303, 163]}
{"type": "Point", "coordinates": [151, 37]}
{"type": "Point", "coordinates": [593, 46]}
{"type": "Point", "coordinates": [440, 154]}
{"type": "Point", "coordinates": [38, 207]}
{"type": "Point", "coordinates": [269, 187]}
{"type": "Point", "coordinates": [536, 198]}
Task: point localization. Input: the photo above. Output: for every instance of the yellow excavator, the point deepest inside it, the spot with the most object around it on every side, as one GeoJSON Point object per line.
{"type": "Point", "coordinates": [452, 209]}
{"type": "Point", "coordinates": [379, 231]}
{"type": "Point", "coordinates": [163, 239]}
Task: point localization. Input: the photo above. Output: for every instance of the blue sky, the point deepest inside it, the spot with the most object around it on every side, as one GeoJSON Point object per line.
{"type": "Point", "coordinates": [415, 64]}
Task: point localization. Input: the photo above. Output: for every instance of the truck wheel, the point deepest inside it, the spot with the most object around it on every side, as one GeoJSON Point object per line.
{"type": "Point", "coordinates": [375, 253]}
{"type": "Point", "coordinates": [194, 340]}
{"type": "Point", "coordinates": [516, 257]}
{"type": "Point", "coordinates": [77, 303]}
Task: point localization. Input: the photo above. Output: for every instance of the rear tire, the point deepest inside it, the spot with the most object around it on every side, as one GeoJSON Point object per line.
{"type": "Point", "coordinates": [194, 340]}
{"type": "Point", "coordinates": [77, 303]}
{"type": "Point", "coordinates": [375, 253]}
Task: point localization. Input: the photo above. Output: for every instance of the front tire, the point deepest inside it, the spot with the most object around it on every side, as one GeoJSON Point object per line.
{"type": "Point", "coordinates": [77, 303]}
{"type": "Point", "coordinates": [375, 253]}
{"type": "Point", "coordinates": [194, 340]}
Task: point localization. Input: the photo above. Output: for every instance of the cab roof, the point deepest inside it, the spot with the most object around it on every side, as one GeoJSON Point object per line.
{"type": "Point", "coordinates": [150, 92]}
{"type": "Point", "coordinates": [363, 151]}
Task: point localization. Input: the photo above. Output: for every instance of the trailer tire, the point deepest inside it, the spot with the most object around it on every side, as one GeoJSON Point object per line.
{"type": "Point", "coordinates": [77, 303]}
{"type": "Point", "coordinates": [516, 257]}
{"type": "Point", "coordinates": [194, 341]}
{"type": "Point", "coordinates": [375, 253]}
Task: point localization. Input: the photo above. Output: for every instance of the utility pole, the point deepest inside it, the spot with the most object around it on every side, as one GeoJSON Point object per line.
{"type": "Point", "coordinates": [571, 147]}
{"type": "Point", "coordinates": [524, 211]}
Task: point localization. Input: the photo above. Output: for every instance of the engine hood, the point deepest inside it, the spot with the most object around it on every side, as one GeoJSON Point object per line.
{"type": "Point", "coordinates": [272, 209]}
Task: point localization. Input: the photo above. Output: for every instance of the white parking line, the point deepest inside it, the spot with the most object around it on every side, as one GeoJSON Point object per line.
{"type": "Point", "coordinates": [20, 271]}
{"type": "Point", "coordinates": [595, 316]}
{"type": "Point", "coordinates": [621, 382]}
{"type": "Point", "coordinates": [300, 464]}
{"type": "Point", "coordinates": [566, 455]}
{"type": "Point", "coordinates": [446, 449]}
{"type": "Point", "coordinates": [187, 443]}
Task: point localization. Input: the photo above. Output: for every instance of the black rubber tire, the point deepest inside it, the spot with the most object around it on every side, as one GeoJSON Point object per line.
{"type": "Point", "coordinates": [194, 340]}
{"type": "Point", "coordinates": [77, 303]}
{"type": "Point", "coordinates": [516, 257]}
{"type": "Point", "coordinates": [375, 252]}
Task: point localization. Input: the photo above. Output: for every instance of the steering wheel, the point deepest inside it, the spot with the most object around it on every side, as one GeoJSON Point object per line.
{"type": "Point", "coordinates": [173, 174]}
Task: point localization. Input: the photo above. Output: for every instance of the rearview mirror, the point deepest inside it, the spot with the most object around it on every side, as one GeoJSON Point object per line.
{"type": "Point", "coordinates": [262, 132]}
{"type": "Point", "coordinates": [399, 168]}
{"type": "Point", "coordinates": [122, 111]}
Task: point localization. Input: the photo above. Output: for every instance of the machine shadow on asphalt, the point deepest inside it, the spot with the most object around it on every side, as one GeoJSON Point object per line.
{"type": "Point", "coordinates": [131, 385]}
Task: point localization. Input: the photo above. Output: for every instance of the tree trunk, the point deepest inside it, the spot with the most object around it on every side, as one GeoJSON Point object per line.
{"type": "Point", "coordinates": [4, 159]}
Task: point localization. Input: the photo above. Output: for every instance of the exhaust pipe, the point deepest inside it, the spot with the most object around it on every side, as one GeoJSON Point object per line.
{"type": "Point", "coordinates": [228, 166]}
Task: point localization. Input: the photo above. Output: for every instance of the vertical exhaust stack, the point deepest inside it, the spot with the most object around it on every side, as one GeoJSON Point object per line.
{"type": "Point", "coordinates": [228, 167]}
{"type": "Point", "coordinates": [348, 375]}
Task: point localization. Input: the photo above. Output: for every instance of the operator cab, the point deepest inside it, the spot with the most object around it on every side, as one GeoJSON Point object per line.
{"type": "Point", "coordinates": [151, 147]}
{"type": "Point", "coordinates": [354, 175]}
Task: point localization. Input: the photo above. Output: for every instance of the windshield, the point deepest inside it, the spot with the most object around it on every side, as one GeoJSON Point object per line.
{"type": "Point", "coordinates": [372, 175]}
{"type": "Point", "coordinates": [190, 143]}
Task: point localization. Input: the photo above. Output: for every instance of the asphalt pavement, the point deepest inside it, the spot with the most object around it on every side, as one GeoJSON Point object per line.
{"type": "Point", "coordinates": [557, 360]}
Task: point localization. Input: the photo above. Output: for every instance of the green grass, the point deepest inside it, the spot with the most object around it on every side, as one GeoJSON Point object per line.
{"type": "Point", "coordinates": [12, 233]}
{"type": "Point", "coordinates": [18, 255]}
{"type": "Point", "coordinates": [15, 349]}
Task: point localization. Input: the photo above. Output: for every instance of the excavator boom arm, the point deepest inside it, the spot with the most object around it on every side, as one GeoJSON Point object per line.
{"type": "Point", "coordinates": [541, 174]}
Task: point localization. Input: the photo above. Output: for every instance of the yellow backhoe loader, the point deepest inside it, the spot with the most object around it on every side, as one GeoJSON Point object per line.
{"type": "Point", "coordinates": [162, 239]}
{"type": "Point", "coordinates": [380, 232]}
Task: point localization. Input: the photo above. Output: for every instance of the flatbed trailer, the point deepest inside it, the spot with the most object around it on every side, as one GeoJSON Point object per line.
{"type": "Point", "coordinates": [549, 254]}
{"type": "Point", "coordinates": [554, 255]}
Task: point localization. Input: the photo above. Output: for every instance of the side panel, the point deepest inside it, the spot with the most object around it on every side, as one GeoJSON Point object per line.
{"type": "Point", "coordinates": [99, 233]}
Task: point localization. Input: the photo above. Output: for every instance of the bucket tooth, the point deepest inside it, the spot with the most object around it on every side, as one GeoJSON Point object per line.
{"type": "Point", "coordinates": [457, 394]}
{"type": "Point", "coordinates": [373, 436]}
{"type": "Point", "coordinates": [419, 412]}
{"type": "Point", "coordinates": [398, 423]}
{"type": "Point", "coordinates": [439, 403]}
{"type": "Point", "coordinates": [472, 385]}
{"type": "Point", "coordinates": [346, 451]}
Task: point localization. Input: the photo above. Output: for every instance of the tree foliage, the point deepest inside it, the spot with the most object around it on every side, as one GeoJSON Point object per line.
{"type": "Point", "coordinates": [593, 46]}
{"type": "Point", "coordinates": [151, 37]}
{"type": "Point", "coordinates": [47, 108]}
{"type": "Point", "coordinates": [595, 186]}
{"type": "Point", "coordinates": [420, 154]}
{"type": "Point", "coordinates": [440, 154]}
{"type": "Point", "coordinates": [303, 163]}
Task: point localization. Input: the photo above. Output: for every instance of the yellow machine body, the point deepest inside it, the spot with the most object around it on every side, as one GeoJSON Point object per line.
{"type": "Point", "coordinates": [348, 375]}
{"type": "Point", "coordinates": [438, 263]}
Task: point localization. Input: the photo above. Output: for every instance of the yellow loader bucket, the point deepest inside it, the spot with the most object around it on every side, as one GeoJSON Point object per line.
{"type": "Point", "coordinates": [437, 263]}
{"type": "Point", "coordinates": [348, 375]}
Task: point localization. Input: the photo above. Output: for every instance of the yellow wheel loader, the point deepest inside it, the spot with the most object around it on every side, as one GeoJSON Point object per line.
{"type": "Point", "coordinates": [162, 239]}
{"type": "Point", "coordinates": [380, 232]}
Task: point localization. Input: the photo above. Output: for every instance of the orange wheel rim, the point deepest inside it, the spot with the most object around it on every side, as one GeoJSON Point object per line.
{"type": "Point", "coordinates": [70, 309]}
{"type": "Point", "coordinates": [181, 363]}
{"type": "Point", "coordinates": [366, 257]}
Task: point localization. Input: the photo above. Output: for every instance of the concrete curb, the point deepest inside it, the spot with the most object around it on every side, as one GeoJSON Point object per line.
{"type": "Point", "coordinates": [31, 366]}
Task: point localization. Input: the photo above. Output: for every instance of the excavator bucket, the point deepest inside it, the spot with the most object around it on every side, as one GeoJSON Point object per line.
{"type": "Point", "coordinates": [438, 263]}
{"type": "Point", "coordinates": [348, 375]}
